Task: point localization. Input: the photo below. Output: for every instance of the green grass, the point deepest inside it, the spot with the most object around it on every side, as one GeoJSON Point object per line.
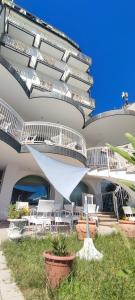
{"type": "Point", "coordinates": [111, 279]}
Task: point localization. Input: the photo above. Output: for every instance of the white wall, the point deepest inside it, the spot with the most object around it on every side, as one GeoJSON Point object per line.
{"type": "Point", "coordinates": [13, 173]}
{"type": "Point", "coordinates": [11, 176]}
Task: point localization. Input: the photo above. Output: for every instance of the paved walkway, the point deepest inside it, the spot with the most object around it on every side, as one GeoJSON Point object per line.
{"type": "Point", "coordinates": [8, 288]}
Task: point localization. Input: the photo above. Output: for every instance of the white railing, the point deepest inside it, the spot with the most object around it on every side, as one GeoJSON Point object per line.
{"type": "Point", "coordinates": [32, 78]}
{"type": "Point", "coordinates": [10, 121]}
{"type": "Point", "coordinates": [53, 134]}
{"type": "Point", "coordinates": [105, 158]}
{"type": "Point", "coordinates": [39, 132]}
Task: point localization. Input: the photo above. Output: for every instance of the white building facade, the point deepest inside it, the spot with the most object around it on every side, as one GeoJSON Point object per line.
{"type": "Point", "coordinates": [45, 102]}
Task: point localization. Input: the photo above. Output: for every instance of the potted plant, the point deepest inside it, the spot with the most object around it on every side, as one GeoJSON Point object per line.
{"type": "Point", "coordinates": [16, 223]}
{"type": "Point", "coordinates": [58, 261]}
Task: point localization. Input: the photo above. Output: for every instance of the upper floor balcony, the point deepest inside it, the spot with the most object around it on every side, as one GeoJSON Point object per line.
{"type": "Point", "coordinates": [54, 138]}
{"type": "Point", "coordinates": [104, 158]}
{"type": "Point", "coordinates": [49, 68]}
{"type": "Point", "coordinates": [49, 65]}
{"type": "Point", "coordinates": [35, 32]}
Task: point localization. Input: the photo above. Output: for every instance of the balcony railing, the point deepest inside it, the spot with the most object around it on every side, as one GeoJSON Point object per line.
{"type": "Point", "coordinates": [39, 132]}
{"type": "Point", "coordinates": [52, 134]}
{"type": "Point", "coordinates": [105, 158]}
{"type": "Point", "coordinates": [32, 78]}
{"type": "Point", "coordinates": [17, 45]}
{"type": "Point", "coordinates": [52, 41]}
{"type": "Point", "coordinates": [10, 121]}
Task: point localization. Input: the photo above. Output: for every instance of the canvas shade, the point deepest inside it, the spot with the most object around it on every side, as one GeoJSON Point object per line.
{"type": "Point", "coordinates": [63, 177]}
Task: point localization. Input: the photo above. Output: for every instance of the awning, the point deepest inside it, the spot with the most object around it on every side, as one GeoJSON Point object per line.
{"type": "Point", "coordinates": [63, 177]}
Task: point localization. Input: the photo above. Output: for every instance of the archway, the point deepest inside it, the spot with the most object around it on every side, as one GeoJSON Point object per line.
{"type": "Point", "coordinates": [76, 195]}
{"type": "Point", "coordinates": [109, 189]}
{"type": "Point", "coordinates": [30, 189]}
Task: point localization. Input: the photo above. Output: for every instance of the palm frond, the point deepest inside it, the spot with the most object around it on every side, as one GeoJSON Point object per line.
{"type": "Point", "coordinates": [123, 153]}
{"type": "Point", "coordinates": [131, 139]}
{"type": "Point", "coordinates": [128, 184]}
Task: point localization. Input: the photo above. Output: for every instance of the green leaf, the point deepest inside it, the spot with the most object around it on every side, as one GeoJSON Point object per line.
{"type": "Point", "coordinates": [128, 184]}
{"type": "Point", "coordinates": [131, 139]}
{"type": "Point", "coordinates": [123, 153]}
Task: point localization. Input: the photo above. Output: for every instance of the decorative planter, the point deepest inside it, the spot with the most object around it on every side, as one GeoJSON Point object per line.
{"type": "Point", "coordinates": [57, 268]}
{"type": "Point", "coordinates": [128, 227]}
{"type": "Point", "coordinates": [81, 229]}
{"type": "Point", "coordinates": [15, 229]}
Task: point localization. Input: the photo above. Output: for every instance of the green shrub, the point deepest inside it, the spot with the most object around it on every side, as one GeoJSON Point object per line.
{"type": "Point", "coordinates": [59, 246]}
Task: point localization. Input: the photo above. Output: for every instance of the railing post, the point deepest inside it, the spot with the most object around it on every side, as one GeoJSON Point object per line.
{"type": "Point", "coordinates": [115, 204]}
{"type": "Point", "coordinates": [87, 218]}
{"type": "Point", "coordinates": [60, 137]}
{"type": "Point", "coordinates": [108, 162]}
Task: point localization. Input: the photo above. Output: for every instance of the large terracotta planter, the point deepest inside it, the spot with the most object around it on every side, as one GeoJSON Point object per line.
{"type": "Point", "coordinates": [81, 229]}
{"type": "Point", "coordinates": [128, 227]}
{"type": "Point", "coordinates": [57, 268]}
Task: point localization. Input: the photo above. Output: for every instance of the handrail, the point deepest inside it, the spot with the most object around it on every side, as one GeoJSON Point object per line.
{"type": "Point", "coordinates": [39, 132]}
{"type": "Point", "coordinates": [105, 158]}
{"type": "Point", "coordinates": [37, 81]}
{"type": "Point", "coordinates": [53, 134]}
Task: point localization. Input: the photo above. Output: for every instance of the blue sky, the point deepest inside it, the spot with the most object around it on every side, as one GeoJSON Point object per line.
{"type": "Point", "coordinates": [105, 30]}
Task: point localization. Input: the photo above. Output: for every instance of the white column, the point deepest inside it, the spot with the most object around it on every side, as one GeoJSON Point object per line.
{"type": "Point", "coordinates": [6, 190]}
{"type": "Point", "coordinates": [94, 185]}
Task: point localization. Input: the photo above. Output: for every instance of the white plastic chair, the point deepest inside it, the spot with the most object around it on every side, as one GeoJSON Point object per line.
{"type": "Point", "coordinates": [63, 217]}
{"type": "Point", "coordinates": [78, 211]}
{"type": "Point", "coordinates": [68, 207]}
{"type": "Point", "coordinates": [45, 207]}
{"type": "Point", "coordinates": [41, 214]}
{"type": "Point", "coordinates": [91, 208]}
{"type": "Point", "coordinates": [128, 212]}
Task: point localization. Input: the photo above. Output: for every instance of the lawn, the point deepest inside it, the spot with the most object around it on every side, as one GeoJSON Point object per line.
{"type": "Point", "coordinates": [111, 279]}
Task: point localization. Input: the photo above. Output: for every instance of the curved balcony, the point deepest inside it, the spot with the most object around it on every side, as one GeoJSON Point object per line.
{"type": "Point", "coordinates": [104, 158]}
{"type": "Point", "coordinates": [47, 43]}
{"type": "Point", "coordinates": [40, 133]}
{"type": "Point", "coordinates": [52, 135]}
{"type": "Point", "coordinates": [44, 63]}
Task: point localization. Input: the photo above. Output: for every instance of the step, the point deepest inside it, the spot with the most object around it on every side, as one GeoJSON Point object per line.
{"type": "Point", "coordinates": [106, 221]}
{"type": "Point", "coordinates": [106, 216]}
{"type": "Point", "coordinates": [106, 213]}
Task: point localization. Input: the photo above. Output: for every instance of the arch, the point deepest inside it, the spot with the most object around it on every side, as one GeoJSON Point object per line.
{"type": "Point", "coordinates": [76, 195]}
{"type": "Point", "coordinates": [30, 188]}
{"type": "Point", "coordinates": [111, 188]}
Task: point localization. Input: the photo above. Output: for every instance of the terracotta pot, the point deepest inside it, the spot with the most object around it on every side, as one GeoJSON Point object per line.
{"type": "Point", "coordinates": [57, 268]}
{"type": "Point", "coordinates": [128, 227]}
{"type": "Point", "coordinates": [81, 229]}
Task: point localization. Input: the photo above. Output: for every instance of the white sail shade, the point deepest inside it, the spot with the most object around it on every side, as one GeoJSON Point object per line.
{"type": "Point", "coordinates": [63, 177]}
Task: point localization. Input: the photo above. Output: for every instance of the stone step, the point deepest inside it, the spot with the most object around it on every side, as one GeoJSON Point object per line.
{"type": "Point", "coordinates": [111, 213]}
{"type": "Point", "coordinates": [111, 224]}
{"type": "Point", "coordinates": [107, 221]}
{"type": "Point", "coordinates": [106, 217]}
